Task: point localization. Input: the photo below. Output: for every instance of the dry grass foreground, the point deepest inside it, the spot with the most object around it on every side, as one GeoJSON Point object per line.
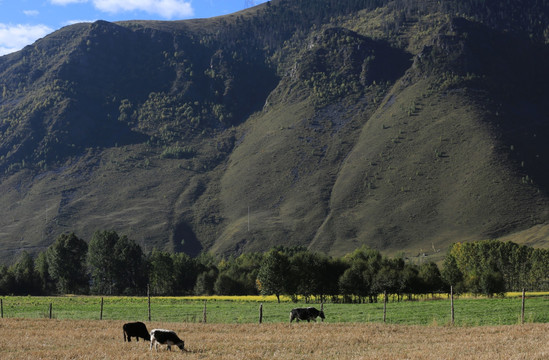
{"type": "Point", "coordinates": [85, 339]}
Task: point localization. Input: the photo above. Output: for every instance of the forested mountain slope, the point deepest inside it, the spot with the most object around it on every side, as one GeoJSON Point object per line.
{"type": "Point", "coordinates": [403, 125]}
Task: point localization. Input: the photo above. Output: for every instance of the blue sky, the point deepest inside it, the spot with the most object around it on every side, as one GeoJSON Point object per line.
{"type": "Point", "coordinates": [24, 21]}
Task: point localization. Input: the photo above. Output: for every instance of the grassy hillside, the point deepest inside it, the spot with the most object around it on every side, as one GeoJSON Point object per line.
{"type": "Point", "coordinates": [399, 125]}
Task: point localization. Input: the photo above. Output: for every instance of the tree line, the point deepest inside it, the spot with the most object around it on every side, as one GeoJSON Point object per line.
{"type": "Point", "coordinates": [111, 264]}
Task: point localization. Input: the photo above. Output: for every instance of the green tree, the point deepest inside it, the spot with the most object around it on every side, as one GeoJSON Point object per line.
{"type": "Point", "coordinates": [102, 262]}
{"type": "Point", "coordinates": [238, 276]}
{"type": "Point", "coordinates": [538, 277]}
{"type": "Point", "coordinates": [431, 279]}
{"type": "Point", "coordinates": [451, 273]}
{"type": "Point", "coordinates": [205, 282]}
{"type": "Point", "coordinates": [185, 271]}
{"type": "Point", "coordinates": [116, 263]}
{"type": "Point", "coordinates": [66, 259]}
{"type": "Point", "coordinates": [273, 274]}
{"type": "Point", "coordinates": [353, 283]}
{"type": "Point", "coordinates": [7, 281]}
{"type": "Point", "coordinates": [410, 282]}
{"type": "Point", "coordinates": [491, 282]}
{"type": "Point", "coordinates": [132, 269]}
{"type": "Point", "coordinates": [308, 274]}
{"type": "Point", "coordinates": [161, 277]}
{"type": "Point", "coordinates": [26, 279]}
{"type": "Point", "coordinates": [335, 269]}
{"type": "Point", "coordinates": [388, 277]}
{"type": "Point", "coordinates": [207, 274]}
{"type": "Point", "coordinates": [358, 279]}
{"type": "Point", "coordinates": [246, 268]}
{"type": "Point", "coordinates": [47, 284]}
{"type": "Point", "coordinates": [227, 285]}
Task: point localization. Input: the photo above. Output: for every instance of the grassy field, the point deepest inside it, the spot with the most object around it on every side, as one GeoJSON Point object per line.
{"type": "Point", "coordinates": [469, 311]}
{"type": "Point", "coordinates": [93, 339]}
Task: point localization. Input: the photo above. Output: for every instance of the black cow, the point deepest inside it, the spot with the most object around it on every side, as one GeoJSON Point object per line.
{"type": "Point", "coordinates": [166, 337]}
{"type": "Point", "coordinates": [308, 314]}
{"type": "Point", "coordinates": [137, 330]}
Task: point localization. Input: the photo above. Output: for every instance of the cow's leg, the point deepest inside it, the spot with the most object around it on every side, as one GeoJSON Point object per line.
{"type": "Point", "coordinates": [152, 343]}
{"type": "Point", "coordinates": [169, 347]}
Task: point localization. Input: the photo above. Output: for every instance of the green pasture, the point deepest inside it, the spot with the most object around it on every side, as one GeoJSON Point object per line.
{"type": "Point", "coordinates": [468, 311]}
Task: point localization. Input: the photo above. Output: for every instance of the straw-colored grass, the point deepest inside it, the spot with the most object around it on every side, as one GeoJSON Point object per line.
{"type": "Point", "coordinates": [85, 339]}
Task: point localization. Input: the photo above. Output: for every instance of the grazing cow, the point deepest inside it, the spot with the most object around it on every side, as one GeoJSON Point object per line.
{"type": "Point", "coordinates": [308, 314]}
{"type": "Point", "coordinates": [166, 337]}
{"type": "Point", "coordinates": [137, 330]}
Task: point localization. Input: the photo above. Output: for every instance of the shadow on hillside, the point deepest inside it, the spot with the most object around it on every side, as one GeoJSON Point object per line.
{"type": "Point", "coordinates": [184, 240]}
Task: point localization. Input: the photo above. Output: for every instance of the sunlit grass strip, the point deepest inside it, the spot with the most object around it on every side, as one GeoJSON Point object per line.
{"type": "Point", "coordinates": [237, 298]}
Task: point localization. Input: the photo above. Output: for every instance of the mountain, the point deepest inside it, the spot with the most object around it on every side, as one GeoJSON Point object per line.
{"type": "Point", "coordinates": [402, 125]}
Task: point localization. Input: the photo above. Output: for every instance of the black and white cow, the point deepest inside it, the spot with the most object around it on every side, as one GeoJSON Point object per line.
{"type": "Point", "coordinates": [166, 337]}
{"type": "Point", "coordinates": [308, 314]}
{"type": "Point", "coordinates": [137, 330]}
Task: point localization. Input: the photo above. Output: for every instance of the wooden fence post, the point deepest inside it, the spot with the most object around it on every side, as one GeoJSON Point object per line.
{"type": "Point", "coordinates": [149, 301]}
{"type": "Point", "coordinates": [261, 313]}
{"type": "Point", "coordinates": [384, 305]}
{"type": "Point", "coordinates": [452, 305]}
{"type": "Point", "coordinates": [204, 313]}
{"type": "Point", "coordinates": [50, 310]}
{"type": "Point", "coordinates": [522, 309]}
{"type": "Point", "coordinates": [101, 312]}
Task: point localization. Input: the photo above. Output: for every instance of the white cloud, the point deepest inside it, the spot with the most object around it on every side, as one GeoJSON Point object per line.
{"type": "Point", "coordinates": [66, 2]}
{"type": "Point", "coordinates": [15, 37]}
{"type": "Point", "coordinates": [168, 9]}
{"type": "Point", "coordinates": [77, 21]}
{"type": "Point", "coordinates": [31, 12]}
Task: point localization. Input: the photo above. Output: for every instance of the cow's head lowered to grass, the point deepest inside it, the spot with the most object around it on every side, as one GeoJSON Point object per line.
{"type": "Point", "coordinates": [166, 337]}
